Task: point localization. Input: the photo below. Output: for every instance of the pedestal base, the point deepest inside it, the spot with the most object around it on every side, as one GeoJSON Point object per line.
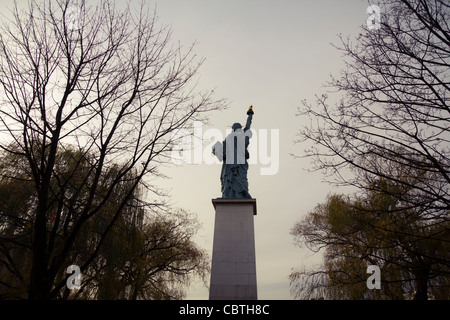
{"type": "Point", "coordinates": [233, 269]}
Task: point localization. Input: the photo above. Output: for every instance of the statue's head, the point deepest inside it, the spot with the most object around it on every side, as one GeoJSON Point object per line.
{"type": "Point", "coordinates": [236, 126]}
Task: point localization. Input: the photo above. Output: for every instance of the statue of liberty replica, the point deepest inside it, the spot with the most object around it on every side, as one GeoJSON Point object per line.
{"type": "Point", "coordinates": [234, 231]}
{"type": "Point", "coordinates": [234, 154]}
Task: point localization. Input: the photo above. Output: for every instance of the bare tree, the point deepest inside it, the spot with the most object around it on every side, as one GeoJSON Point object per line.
{"type": "Point", "coordinates": [110, 83]}
{"type": "Point", "coordinates": [392, 122]}
{"type": "Point", "coordinates": [395, 104]}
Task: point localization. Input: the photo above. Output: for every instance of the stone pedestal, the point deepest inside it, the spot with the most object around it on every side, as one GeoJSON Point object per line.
{"type": "Point", "coordinates": [233, 269]}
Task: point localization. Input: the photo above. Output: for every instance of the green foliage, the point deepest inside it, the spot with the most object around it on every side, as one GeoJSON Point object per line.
{"type": "Point", "coordinates": [411, 249]}
{"type": "Point", "coordinates": [130, 255]}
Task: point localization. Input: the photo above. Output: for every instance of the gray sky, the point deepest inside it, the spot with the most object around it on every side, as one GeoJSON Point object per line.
{"type": "Point", "coordinates": [269, 54]}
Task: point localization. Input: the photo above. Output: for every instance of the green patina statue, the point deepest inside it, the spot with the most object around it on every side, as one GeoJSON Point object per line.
{"type": "Point", "coordinates": [234, 154]}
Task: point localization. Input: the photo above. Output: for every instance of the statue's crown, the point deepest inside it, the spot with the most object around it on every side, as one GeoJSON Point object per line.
{"type": "Point", "coordinates": [236, 126]}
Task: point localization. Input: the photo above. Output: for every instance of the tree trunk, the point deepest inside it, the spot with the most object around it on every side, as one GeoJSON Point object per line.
{"type": "Point", "coordinates": [39, 289]}
{"type": "Point", "coordinates": [421, 282]}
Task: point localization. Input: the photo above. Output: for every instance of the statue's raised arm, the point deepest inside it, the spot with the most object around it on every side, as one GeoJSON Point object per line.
{"type": "Point", "coordinates": [249, 118]}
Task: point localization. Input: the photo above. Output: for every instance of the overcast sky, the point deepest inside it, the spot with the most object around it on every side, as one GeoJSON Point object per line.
{"type": "Point", "coordinates": [269, 54]}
